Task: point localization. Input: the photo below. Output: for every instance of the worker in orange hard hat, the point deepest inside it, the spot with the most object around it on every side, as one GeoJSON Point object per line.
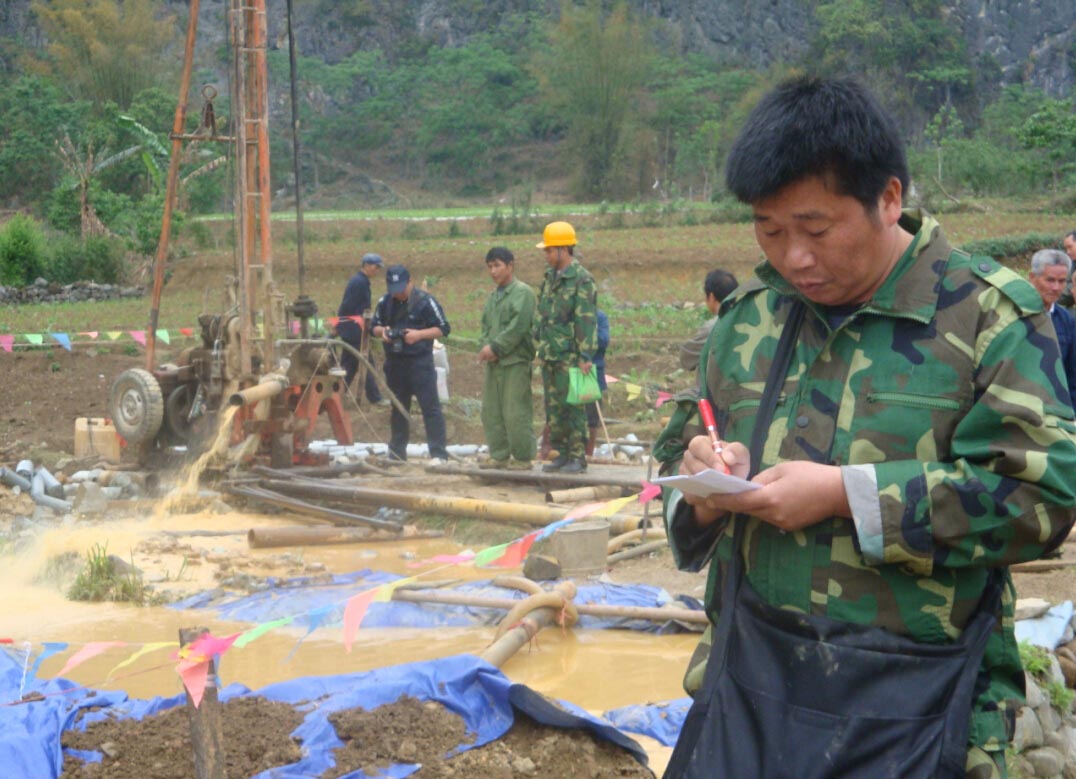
{"type": "Point", "coordinates": [564, 336]}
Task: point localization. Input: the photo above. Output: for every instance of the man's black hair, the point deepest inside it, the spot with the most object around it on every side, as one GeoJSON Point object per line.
{"type": "Point", "coordinates": [810, 126]}
{"type": "Point", "coordinates": [500, 253]}
{"type": "Point", "coordinates": [1071, 235]}
{"type": "Point", "coordinates": [719, 283]}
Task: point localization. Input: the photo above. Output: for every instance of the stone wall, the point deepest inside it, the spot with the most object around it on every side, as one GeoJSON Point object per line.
{"type": "Point", "coordinates": [42, 291]}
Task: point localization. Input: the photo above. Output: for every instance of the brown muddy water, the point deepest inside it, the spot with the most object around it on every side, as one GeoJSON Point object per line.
{"type": "Point", "coordinates": [594, 669]}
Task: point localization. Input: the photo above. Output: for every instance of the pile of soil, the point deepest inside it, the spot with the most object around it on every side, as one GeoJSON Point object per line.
{"type": "Point", "coordinates": [412, 731]}
{"type": "Point", "coordinates": [256, 737]}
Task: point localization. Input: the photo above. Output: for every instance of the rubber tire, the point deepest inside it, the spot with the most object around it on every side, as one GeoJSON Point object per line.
{"type": "Point", "coordinates": [176, 407]}
{"type": "Point", "coordinates": [136, 405]}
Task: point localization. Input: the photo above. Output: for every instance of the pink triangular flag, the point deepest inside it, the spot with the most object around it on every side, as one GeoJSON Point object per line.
{"type": "Point", "coordinates": [205, 647]}
{"type": "Point", "coordinates": [194, 679]}
{"type": "Point", "coordinates": [6, 342]}
{"type": "Point", "coordinates": [91, 333]}
{"type": "Point", "coordinates": [354, 611]}
{"type": "Point", "coordinates": [662, 397]}
{"type": "Point", "coordinates": [650, 491]}
{"type": "Point", "coordinates": [91, 649]}
{"type": "Point", "coordinates": [138, 335]}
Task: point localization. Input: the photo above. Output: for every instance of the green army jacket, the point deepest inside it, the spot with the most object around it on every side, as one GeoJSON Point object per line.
{"type": "Point", "coordinates": [507, 323]}
{"type": "Point", "coordinates": [564, 330]}
{"type": "Point", "coordinates": [943, 401]}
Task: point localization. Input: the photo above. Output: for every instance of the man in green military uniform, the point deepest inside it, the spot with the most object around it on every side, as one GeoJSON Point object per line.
{"type": "Point", "coordinates": [564, 336]}
{"type": "Point", "coordinates": [507, 351]}
{"type": "Point", "coordinates": [920, 441]}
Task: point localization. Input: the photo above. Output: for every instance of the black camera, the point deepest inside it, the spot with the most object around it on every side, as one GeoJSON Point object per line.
{"type": "Point", "coordinates": [395, 335]}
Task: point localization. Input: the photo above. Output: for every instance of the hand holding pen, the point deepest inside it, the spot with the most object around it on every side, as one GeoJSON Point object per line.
{"type": "Point", "coordinates": [706, 411]}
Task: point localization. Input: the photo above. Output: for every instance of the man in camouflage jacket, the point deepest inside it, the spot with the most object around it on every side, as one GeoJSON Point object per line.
{"type": "Point", "coordinates": [564, 335]}
{"type": "Point", "coordinates": [922, 435]}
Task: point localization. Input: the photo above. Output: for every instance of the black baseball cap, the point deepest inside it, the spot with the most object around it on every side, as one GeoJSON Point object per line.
{"type": "Point", "coordinates": [397, 277]}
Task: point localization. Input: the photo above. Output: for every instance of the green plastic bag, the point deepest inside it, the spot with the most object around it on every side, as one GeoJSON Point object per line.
{"type": "Point", "coordinates": [583, 387]}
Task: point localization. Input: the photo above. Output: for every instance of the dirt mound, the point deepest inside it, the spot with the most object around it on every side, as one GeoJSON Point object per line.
{"type": "Point", "coordinates": [256, 734]}
{"type": "Point", "coordinates": [412, 731]}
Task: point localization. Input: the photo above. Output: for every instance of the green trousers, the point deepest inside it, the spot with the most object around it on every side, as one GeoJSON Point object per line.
{"type": "Point", "coordinates": [508, 412]}
{"type": "Point", "coordinates": [567, 423]}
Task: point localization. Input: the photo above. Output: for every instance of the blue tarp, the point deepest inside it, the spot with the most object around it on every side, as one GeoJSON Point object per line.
{"type": "Point", "coordinates": [303, 595]}
{"type": "Point", "coordinates": [476, 691]}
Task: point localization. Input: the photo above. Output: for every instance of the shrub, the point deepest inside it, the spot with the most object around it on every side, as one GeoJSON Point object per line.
{"type": "Point", "coordinates": [96, 258]}
{"type": "Point", "coordinates": [22, 251]}
{"type": "Point", "coordinates": [1011, 248]}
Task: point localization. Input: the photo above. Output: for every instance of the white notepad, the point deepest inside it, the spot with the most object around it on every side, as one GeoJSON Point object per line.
{"type": "Point", "coordinates": [706, 483]}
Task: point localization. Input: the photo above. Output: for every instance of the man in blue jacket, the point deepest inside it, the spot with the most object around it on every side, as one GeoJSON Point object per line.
{"type": "Point", "coordinates": [407, 320]}
{"type": "Point", "coordinates": [1050, 269]}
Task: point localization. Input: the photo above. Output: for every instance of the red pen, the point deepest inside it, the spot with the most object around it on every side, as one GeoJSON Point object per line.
{"type": "Point", "coordinates": [706, 411]}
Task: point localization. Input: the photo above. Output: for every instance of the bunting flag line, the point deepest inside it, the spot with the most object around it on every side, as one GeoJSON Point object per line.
{"type": "Point", "coordinates": [62, 339]}
{"type": "Point", "coordinates": [145, 649]}
{"type": "Point", "coordinates": [260, 630]}
{"type": "Point", "coordinates": [87, 652]}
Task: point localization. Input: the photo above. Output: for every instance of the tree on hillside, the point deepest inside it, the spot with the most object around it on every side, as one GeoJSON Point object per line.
{"type": "Point", "coordinates": [591, 76]}
{"type": "Point", "coordinates": [1052, 131]}
{"type": "Point", "coordinates": [104, 50]}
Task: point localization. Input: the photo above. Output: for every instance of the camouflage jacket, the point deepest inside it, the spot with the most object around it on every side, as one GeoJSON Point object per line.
{"type": "Point", "coordinates": [508, 322]}
{"type": "Point", "coordinates": [564, 330]}
{"type": "Point", "coordinates": [944, 402]}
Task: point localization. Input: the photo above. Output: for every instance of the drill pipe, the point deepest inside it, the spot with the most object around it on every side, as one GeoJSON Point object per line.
{"type": "Point", "coordinates": [266, 388]}
{"type": "Point", "coordinates": [527, 514]}
{"type": "Point", "coordinates": [301, 535]}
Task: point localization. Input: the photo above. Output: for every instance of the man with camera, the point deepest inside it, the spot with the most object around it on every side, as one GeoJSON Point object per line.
{"type": "Point", "coordinates": [407, 320]}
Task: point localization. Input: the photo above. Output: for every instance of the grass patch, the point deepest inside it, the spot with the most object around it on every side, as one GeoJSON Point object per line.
{"type": "Point", "coordinates": [101, 580]}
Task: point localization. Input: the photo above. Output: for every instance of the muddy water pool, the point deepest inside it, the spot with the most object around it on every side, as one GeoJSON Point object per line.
{"type": "Point", "coordinates": [597, 670]}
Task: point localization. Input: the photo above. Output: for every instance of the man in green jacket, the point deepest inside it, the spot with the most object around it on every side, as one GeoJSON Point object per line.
{"type": "Point", "coordinates": [564, 333]}
{"type": "Point", "coordinates": [921, 440]}
{"type": "Point", "coordinates": [507, 351]}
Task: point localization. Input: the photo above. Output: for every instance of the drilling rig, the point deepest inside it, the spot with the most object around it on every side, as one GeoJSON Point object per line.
{"type": "Point", "coordinates": [247, 356]}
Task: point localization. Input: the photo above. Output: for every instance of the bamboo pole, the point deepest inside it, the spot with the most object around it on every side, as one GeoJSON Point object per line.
{"type": "Point", "coordinates": [649, 613]}
{"type": "Point", "coordinates": [636, 551]}
{"type": "Point", "coordinates": [562, 480]}
{"type": "Point", "coordinates": [598, 492]}
{"type": "Point", "coordinates": [527, 514]}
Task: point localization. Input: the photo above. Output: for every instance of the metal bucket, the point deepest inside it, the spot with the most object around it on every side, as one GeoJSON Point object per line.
{"type": "Point", "coordinates": [580, 547]}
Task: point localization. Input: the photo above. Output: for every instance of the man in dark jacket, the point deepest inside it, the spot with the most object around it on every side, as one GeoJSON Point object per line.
{"type": "Point", "coordinates": [407, 320]}
{"type": "Point", "coordinates": [1049, 271]}
{"type": "Point", "coordinates": [353, 307]}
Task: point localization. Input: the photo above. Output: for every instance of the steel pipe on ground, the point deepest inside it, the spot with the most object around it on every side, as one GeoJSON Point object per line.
{"type": "Point", "coordinates": [268, 537]}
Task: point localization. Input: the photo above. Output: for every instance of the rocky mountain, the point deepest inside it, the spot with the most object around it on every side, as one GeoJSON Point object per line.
{"type": "Point", "coordinates": [1010, 41]}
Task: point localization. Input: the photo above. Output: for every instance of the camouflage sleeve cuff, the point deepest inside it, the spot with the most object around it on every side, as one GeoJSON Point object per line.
{"type": "Point", "coordinates": [861, 487]}
{"type": "Point", "coordinates": [691, 545]}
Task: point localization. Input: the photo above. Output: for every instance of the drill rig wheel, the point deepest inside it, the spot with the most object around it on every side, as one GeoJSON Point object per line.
{"type": "Point", "coordinates": [136, 405]}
